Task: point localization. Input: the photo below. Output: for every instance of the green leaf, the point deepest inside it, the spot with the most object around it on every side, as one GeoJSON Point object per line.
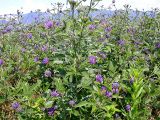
{"type": "Point", "coordinates": [111, 67]}
{"type": "Point", "coordinates": [48, 104]}
{"type": "Point", "coordinates": [139, 92]}
{"type": "Point", "coordinates": [76, 113]}
{"type": "Point", "coordinates": [2, 99]}
{"type": "Point", "coordinates": [59, 85]}
{"type": "Point", "coordinates": [94, 108]}
{"type": "Point", "coordinates": [83, 103]}
{"type": "Point", "coordinates": [58, 62]}
{"type": "Point", "coordinates": [95, 88]}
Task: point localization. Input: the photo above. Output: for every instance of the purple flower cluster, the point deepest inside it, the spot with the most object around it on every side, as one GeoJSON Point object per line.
{"type": "Point", "coordinates": [45, 61]}
{"type": "Point", "coordinates": [121, 42]}
{"type": "Point", "coordinates": [54, 93]}
{"type": "Point", "coordinates": [36, 59]}
{"type": "Point", "coordinates": [108, 94]}
{"type": "Point", "coordinates": [128, 107]}
{"type": "Point", "coordinates": [48, 24]}
{"type": "Point", "coordinates": [4, 31]}
{"type": "Point", "coordinates": [15, 105]}
{"type": "Point", "coordinates": [158, 45]}
{"type": "Point", "coordinates": [51, 110]}
{"type": "Point", "coordinates": [23, 50]}
{"type": "Point", "coordinates": [1, 62]}
{"type": "Point", "coordinates": [58, 23]}
{"type": "Point", "coordinates": [99, 78]}
{"type": "Point", "coordinates": [9, 28]}
{"type": "Point", "coordinates": [29, 35]}
{"type": "Point", "coordinates": [47, 73]}
{"type": "Point", "coordinates": [108, 29]}
{"type": "Point", "coordinates": [115, 87]}
{"type": "Point", "coordinates": [92, 27]}
{"type": "Point", "coordinates": [44, 48]}
{"type": "Point", "coordinates": [103, 88]}
{"type": "Point", "coordinates": [92, 59]}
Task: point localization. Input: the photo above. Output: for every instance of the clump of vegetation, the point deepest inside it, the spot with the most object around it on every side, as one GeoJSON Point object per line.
{"type": "Point", "coordinates": [82, 68]}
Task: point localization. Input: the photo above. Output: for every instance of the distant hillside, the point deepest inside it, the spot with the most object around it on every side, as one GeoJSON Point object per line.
{"type": "Point", "coordinates": [43, 16]}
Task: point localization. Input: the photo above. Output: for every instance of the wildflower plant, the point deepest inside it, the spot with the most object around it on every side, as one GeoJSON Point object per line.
{"type": "Point", "coordinates": [81, 67]}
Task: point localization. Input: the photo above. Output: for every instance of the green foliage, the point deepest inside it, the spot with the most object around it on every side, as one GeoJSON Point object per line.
{"type": "Point", "coordinates": [124, 52]}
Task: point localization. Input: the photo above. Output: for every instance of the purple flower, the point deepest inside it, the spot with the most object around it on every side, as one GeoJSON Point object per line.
{"type": "Point", "coordinates": [103, 88]}
{"type": "Point", "coordinates": [158, 45]}
{"type": "Point", "coordinates": [4, 31]}
{"type": "Point", "coordinates": [36, 59]}
{"type": "Point", "coordinates": [115, 87]}
{"type": "Point", "coordinates": [23, 50]}
{"type": "Point", "coordinates": [9, 28]}
{"type": "Point", "coordinates": [29, 35]}
{"type": "Point", "coordinates": [92, 59]}
{"type": "Point", "coordinates": [47, 73]}
{"type": "Point", "coordinates": [71, 102]}
{"type": "Point", "coordinates": [115, 90]}
{"type": "Point", "coordinates": [45, 61]}
{"type": "Point", "coordinates": [92, 27]}
{"type": "Point", "coordinates": [57, 23]}
{"type": "Point", "coordinates": [108, 29]}
{"type": "Point", "coordinates": [108, 94]}
{"type": "Point", "coordinates": [1, 62]}
{"type": "Point", "coordinates": [54, 93]}
{"type": "Point", "coordinates": [48, 24]}
{"type": "Point", "coordinates": [51, 111]}
{"type": "Point", "coordinates": [128, 108]}
{"type": "Point", "coordinates": [121, 42]}
{"type": "Point", "coordinates": [131, 80]}
{"type": "Point", "coordinates": [15, 105]}
{"type": "Point", "coordinates": [99, 78]}
{"type": "Point", "coordinates": [44, 48]}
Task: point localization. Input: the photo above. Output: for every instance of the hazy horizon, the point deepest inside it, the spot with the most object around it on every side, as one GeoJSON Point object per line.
{"type": "Point", "coordinates": [11, 6]}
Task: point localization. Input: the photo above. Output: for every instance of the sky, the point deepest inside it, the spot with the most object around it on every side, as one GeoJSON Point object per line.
{"type": "Point", "coordinates": [11, 6]}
